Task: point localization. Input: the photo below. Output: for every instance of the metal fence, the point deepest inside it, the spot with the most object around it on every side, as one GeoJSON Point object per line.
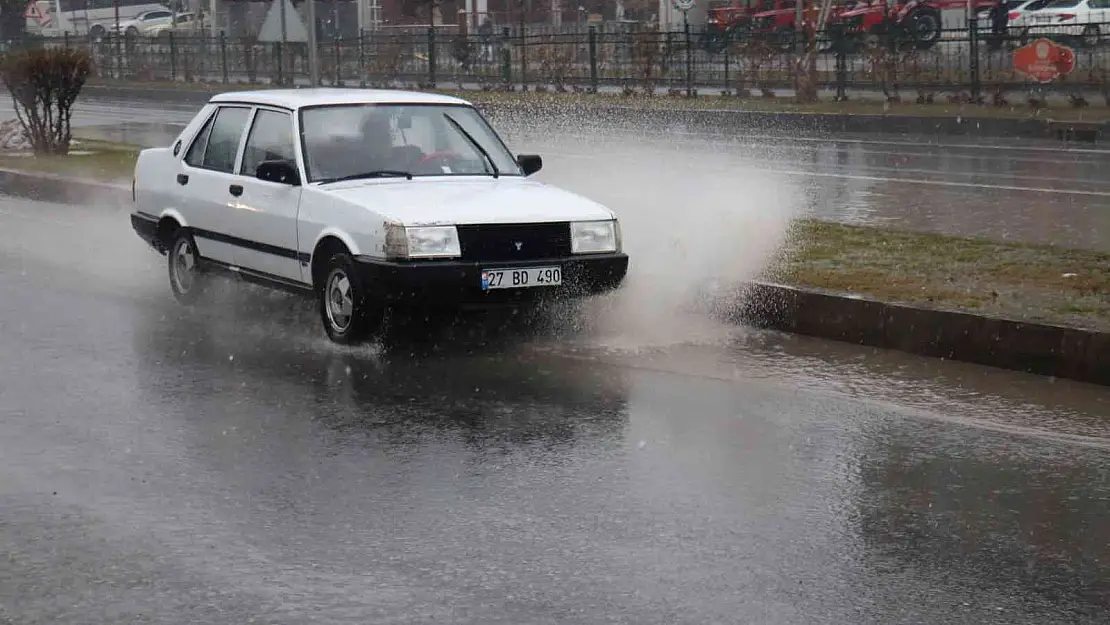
{"type": "Point", "coordinates": [961, 61]}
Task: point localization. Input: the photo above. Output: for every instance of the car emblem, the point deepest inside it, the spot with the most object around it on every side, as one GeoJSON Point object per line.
{"type": "Point", "coordinates": [518, 245]}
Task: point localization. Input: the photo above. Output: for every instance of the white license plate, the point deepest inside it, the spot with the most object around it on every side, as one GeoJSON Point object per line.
{"type": "Point", "coordinates": [521, 278]}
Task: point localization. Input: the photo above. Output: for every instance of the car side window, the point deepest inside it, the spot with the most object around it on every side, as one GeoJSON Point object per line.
{"type": "Point", "coordinates": [223, 139]}
{"type": "Point", "coordinates": [270, 139]}
{"type": "Point", "coordinates": [195, 156]}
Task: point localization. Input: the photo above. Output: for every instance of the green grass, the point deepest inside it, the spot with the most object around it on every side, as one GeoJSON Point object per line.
{"type": "Point", "coordinates": [1013, 280]}
{"type": "Point", "coordinates": [1097, 111]}
{"type": "Point", "coordinates": [103, 161]}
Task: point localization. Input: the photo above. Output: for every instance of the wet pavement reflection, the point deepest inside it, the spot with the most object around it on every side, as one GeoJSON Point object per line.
{"type": "Point", "coordinates": [228, 463]}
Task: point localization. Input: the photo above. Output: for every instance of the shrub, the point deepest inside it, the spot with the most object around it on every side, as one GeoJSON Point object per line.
{"type": "Point", "coordinates": [44, 84]}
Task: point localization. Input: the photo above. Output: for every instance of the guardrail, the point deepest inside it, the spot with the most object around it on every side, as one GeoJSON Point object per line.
{"type": "Point", "coordinates": [964, 61]}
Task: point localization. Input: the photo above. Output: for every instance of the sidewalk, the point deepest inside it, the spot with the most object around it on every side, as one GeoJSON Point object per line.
{"type": "Point", "coordinates": [730, 114]}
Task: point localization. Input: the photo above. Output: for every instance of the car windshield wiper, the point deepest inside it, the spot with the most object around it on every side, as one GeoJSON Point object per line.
{"type": "Point", "coordinates": [477, 146]}
{"type": "Point", "coordinates": [377, 173]}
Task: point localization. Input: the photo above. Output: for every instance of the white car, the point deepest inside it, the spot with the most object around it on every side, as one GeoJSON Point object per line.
{"type": "Point", "coordinates": [1085, 19]}
{"type": "Point", "coordinates": [369, 200]}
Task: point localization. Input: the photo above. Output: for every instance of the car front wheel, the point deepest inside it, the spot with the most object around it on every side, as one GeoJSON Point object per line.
{"type": "Point", "coordinates": [348, 314]}
{"type": "Point", "coordinates": [187, 279]}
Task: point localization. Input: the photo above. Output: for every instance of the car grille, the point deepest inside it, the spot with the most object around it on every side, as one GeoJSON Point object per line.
{"type": "Point", "coordinates": [514, 241]}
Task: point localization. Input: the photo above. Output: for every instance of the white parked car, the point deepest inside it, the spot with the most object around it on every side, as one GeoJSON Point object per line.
{"type": "Point", "coordinates": [1085, 19]}
{"type": "Point", "coordinates": [369, 200]}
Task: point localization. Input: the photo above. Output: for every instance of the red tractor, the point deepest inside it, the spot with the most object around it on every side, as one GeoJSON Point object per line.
{"type": "Point", "coordinates": [729, 20]}
{"type": "Point", "coordinates": [778, 26]}
{"type": "Point", "coordinates": [916, 22]}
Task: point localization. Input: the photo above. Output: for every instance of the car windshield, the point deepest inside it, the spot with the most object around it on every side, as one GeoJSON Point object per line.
{"type": "Point", "coordinates": [346, 141]}
{"type": "Point", "coordinates": [1063, 4]}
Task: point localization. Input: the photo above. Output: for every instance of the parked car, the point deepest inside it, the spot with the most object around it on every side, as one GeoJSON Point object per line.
{"type": "Point", "coordinates": [1088, 20]}
{"type": "Point", "coordinates": [138, 26]}
{"type": "Point", "coordinates": [369, 201]}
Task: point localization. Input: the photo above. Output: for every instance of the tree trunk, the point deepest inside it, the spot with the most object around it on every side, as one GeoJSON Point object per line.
{"type": "Point", "coordinates": [805, 67]}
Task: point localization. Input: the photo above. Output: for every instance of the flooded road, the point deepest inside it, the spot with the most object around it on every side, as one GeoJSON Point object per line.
{"type": "Point", "coordinates": [652, 466]}
{"type": "Point", "coordinates": [1019, 190]}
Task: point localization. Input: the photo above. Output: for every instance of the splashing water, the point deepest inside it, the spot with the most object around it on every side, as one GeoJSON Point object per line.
{"type": "Point", "coordinates": [689, 232]}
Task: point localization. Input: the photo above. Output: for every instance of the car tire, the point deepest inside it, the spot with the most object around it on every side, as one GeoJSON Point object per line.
{"type": "Point", "coordinates": [348, 315]}
{"type": "Point", "coordinates": [188, 280]}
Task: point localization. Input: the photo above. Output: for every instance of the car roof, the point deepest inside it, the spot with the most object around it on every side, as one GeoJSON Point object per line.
{"type": "Point", "coordinates": [298, 98]}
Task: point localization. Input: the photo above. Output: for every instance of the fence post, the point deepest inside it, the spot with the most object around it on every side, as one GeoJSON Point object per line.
{"type": "Point", "coordinates": [523, 58]}
{"type": "Point", "coordinates": [840, 46]}
{"type": "Point", "coordinates": [361, 58]}
{"type": "Point", "coordinates": [173, 57]}
{"type": "Point", "coordinates": [689, 60]}
{"type": "Point", "coordinates": [223, 56]}
{"type": "Point", "coordinates": [593, 59]}
{"type": "Point", "coordinates": [338, 62]}
{"type": "Point", "coordinates": [973, 44]}
{"type": "Point", "coordinates": [280, 62]}
{"type": "Point", "coordinates": [431, 57]}
{"type": "Point", "coordinates": [506, 57]}
{"type": "Point", "coordinates": [726, 87]}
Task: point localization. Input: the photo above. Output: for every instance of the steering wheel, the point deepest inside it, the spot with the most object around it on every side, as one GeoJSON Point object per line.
{"type": "Point", "coordinates": [445, 155]}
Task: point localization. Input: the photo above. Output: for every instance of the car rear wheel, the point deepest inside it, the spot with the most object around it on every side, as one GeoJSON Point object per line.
{"type": "Point", "coordinates": [187, 279]}
{"type": "Point", "coordinates": [349, 316]}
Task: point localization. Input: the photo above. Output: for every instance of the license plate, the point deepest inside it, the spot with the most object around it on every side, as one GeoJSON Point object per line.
{"type": "Point", "coordinates": [521, 278]}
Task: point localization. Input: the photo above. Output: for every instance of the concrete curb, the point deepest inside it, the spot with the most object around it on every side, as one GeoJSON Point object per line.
{"type": "Point", "coordinates": [724, 119]}
{"type": "Point", "coordinates": [1042, 349]}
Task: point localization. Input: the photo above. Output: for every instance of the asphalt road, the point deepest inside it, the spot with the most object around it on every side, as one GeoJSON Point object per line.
{"type": "Point", "coordinates": [228, 465]}
{"type": "Point", "coordinates": [1037, 191]}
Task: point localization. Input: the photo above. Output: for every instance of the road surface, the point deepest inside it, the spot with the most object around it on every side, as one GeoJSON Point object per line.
{"type": "Point", "coordinates": [1045, 192]}
{"type": "Point", "coordinates": [228, 465]}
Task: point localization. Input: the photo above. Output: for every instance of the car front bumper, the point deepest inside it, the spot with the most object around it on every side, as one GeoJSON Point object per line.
{"type": "Point", "coordinates": [458, 283]}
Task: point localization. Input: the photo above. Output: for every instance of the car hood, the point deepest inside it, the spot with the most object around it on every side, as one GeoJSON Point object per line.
{"type": "Point", "coordinates": [432, 201]}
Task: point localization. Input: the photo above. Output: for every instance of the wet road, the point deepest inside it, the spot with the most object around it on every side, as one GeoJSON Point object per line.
{"type": "Point", "coordinates": [229, 465]}
{"type": "Point", "coordinates": [1046, 192]}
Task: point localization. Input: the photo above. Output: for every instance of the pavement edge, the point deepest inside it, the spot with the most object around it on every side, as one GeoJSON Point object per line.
{"type": "Point", "coordinates": [1057, 351]}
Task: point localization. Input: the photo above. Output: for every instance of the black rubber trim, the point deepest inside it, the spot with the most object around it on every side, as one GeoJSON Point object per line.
{"type": "Point", "coordinates": [264, 248]}
{"type": "Point", "coordinates": [257, 277]}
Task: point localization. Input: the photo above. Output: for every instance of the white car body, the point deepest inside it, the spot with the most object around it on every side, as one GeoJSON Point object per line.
{"type": "Point", "coordinates": [1070, 18]}
{"type": "Point", "coordinates": [274, 232]}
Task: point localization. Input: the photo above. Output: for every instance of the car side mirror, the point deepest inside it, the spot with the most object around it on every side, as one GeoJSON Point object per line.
{"type": "Point", "coordinates": [530, 163]}
{"type": "Point", "coordinates": [282, 172]}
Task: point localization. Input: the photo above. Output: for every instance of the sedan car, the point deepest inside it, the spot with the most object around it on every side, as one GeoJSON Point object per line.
{"type": "Point", "coordinates": [369, 201]}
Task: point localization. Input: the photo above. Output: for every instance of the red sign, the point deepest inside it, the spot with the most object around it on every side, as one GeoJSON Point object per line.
{"type": "Point", "coordinates": [1044, 60]}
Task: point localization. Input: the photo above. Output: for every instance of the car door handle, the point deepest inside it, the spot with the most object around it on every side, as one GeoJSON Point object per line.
{"type": "Point", "coordinates": [182, 179]}
{"type": "Point", "coordinates": [236, 189]}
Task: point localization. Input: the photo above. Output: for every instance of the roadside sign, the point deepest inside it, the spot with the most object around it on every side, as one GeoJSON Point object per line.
{"type": "Point", "coordinates": [1044, 60]}
{"type": "Point", "coordinates": [295, 31]}
{"type": "Point", "coordinates": [684, 5]}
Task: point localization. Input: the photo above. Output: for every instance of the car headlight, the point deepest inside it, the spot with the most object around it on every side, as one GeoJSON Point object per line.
{"type": "Point", "coordinates": [422, 242]}
{"type": "Point", "coordinates": [592, 237]}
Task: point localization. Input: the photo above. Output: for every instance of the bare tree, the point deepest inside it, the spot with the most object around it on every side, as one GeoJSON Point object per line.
{"type": "Point", "coordinates": [44, 84]}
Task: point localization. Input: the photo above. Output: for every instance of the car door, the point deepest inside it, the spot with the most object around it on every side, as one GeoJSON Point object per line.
{"type": "Point", "coordinates": [207, 173]}
{"type": "Point", "coordinates": [266, 212]}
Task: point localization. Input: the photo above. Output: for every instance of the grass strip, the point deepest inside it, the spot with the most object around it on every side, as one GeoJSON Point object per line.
{"type": "Point", "coordinates": [89, 160]}
{"type": "Point", "coordinates": [1038, 283]}
{"type": "Point", "coordinates": [1096, 112]}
